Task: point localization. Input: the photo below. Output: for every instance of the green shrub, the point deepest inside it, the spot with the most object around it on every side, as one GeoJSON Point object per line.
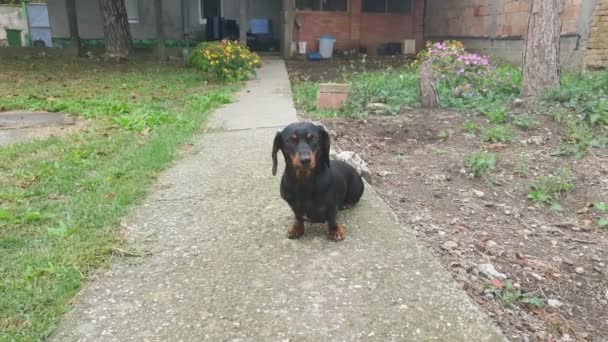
{"type": "Point", "coordinates": [224, 60]}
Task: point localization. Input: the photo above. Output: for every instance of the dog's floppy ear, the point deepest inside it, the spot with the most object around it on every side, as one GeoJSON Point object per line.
{"type": "Point", "coordinates": [324, 142]}
{"type": "Point", "coordinates": [276, 146]}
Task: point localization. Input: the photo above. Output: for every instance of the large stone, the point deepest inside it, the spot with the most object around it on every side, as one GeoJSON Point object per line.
{"type": "Point", "coordinates": [353, 159]}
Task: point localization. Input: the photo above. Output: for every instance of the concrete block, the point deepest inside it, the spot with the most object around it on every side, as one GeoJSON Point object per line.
{"type": "Point", "coordinates": [332, 95]}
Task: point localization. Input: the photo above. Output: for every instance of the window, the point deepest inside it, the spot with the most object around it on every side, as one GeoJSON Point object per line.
{"type": "Point", "coordinates": [322, 5]}
{"type": "Point", "coordinates": [132, 11]}
{"type": "Point", "coordinates": [387, 6]}
{"type": "Point", "coordinates": [209, 9]}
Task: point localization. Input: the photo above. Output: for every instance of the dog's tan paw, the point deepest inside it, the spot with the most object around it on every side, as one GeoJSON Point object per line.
{"type": "Point", "coordinates": [337, 234]}
{"type": "Point", "coordinates": [295, 231]}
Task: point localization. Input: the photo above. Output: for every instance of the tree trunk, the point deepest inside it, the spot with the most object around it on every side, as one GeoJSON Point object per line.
{"type": "Point", "coordinates": [541, 66]}
{"type": "Point", "coordinates": [428, 91]}
{"type": "Point", "coordinates": [73, 25]}
{"type": "Point", "coordinates": [243, 21]}
{"type": "Point", "coordinates": [116, 29]}
{"type": "Point", "coordinates": [287, 21]}
{"type": "Point", "coordinates": [160, 31]}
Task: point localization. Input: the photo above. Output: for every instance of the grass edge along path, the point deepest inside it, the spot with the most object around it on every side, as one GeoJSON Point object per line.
{"type": "Point", "coordinates": [61, 201]}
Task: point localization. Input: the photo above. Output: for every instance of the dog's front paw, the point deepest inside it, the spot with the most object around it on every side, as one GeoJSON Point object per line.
{"type": "Point", "coordinates": [295, 231]}
{"type": "Point", "coordinates": [337, 234]}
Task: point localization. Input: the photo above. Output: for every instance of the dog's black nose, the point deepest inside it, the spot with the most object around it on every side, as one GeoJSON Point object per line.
{"type": "Point", "coordinates": [305, 159]}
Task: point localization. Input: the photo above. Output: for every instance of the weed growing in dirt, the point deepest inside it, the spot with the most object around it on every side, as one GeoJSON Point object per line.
{"type": "Point", "coordinates": [497, 133]}
{"type": "Point", "coordinates": [522, 165]}
{"type": "Point", "coordinates": [524, 121]}
{"type": "Point", "coordinates": [578, 137]}
{"type": "Point", "coordinates": [510, 296]}
{"type": "Point", "coordinates": [470, 127]}
{"type": "Point", "coordinates": [602, 207]}
{"type": "Point", "coordinates": [481, 163]}
{"type": "Point", "coordinates": [496, 115]}
{"type": "Point", "coordinates": [549, 189]}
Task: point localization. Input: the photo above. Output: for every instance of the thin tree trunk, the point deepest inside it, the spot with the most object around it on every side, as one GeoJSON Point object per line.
{"type": "Point", "coordinates": [429, 97]}
{"type": "Point", "coordinates": [73, 25]}
{"type": "Point", "coordinates": [116, 29]}
{"type": "Point", "coordinates": [160, 31]}
{"type": "Point", "coordinates": [541, 66]}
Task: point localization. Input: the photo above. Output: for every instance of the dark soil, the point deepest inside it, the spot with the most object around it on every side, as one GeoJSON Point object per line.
{"type": "Point", "coordinates": [335, 69]}
{"type": "Point", "coordinates": [417, 164]}
{"type": "Point", "coordinates": [416, 159]}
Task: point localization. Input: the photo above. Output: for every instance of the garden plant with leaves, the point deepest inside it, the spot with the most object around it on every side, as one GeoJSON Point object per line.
{"type": "Point", "coordinates": [224, 60]}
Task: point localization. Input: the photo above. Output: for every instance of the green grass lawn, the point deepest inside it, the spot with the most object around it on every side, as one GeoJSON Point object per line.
{"type": "Point", "coordinates": [61, 199]}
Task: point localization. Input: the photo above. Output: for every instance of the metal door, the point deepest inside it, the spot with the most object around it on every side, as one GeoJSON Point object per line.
{"type": "Point", "coordinates": [39, 25]}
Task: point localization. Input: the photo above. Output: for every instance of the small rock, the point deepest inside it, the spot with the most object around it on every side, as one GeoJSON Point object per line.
{"type": "Point", "coordinates": [384, 173]}
{"type": "Point", "coordinates": [536, 140]}
{"type": "Point", "coordinates": [449, 245]}
{"type": "Point", "coordinates": [554, 303]}
{"type": "Point", "coordinates": [579, 270]}
{"type": "Point", "coordinates": [379, 108]}
{"type": "Point", "coordinates": [491, 247]}
{"type": "Point", "coordinates": [489, 271]}
{"type": "Point", "coordinates": [537, 276]}
{"type": "Point", "coordinates": [518, 102]}
{"type": "Point", "coordinates": [478, 193]}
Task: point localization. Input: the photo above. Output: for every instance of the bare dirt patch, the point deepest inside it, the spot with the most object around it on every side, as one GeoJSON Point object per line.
{"type": "Point", "coordinates": [19, 127]}
{"type": "Point", "coordinates": [416, 159]}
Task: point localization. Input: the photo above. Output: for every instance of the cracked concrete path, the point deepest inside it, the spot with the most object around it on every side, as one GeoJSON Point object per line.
{"type": "Point", "coordinates": [222, 269]}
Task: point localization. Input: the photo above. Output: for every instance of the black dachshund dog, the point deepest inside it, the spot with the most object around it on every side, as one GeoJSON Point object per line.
{"type": "Point", "coordinates": [314, 187]}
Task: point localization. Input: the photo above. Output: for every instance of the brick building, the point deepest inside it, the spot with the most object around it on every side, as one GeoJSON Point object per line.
{"type": "Point", "coordinates": [360, 24]}
{"type": "Point", "coordinates": [597, 44]}
{"type": "Point", "coordinates": [493, 27]}
{"type": "Point", "coordinates": [497, 28]}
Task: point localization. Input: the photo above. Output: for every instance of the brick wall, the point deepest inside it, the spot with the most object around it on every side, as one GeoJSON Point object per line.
{"type": "Point", "coordinates": [354, 29]}
{"type": "Point", "coordinates": [497, 27]}
{"type": "Point", "coordinates": [488, 18]}
{"type": "Point", "coordinates": [597, 45]}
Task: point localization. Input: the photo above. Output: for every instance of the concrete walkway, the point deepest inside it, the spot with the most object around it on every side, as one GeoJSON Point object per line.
{"type": "Point", "coordinates": [222, 269]}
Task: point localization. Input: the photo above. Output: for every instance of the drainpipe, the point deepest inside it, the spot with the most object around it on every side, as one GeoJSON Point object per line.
{"type": "Point", "coordinates": [28, 37]}
{"type": "Point", "coordinates": [184, 22]}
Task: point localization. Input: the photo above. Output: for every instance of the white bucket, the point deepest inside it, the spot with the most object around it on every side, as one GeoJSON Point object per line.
{"type": "Point", "coordinates": [326, 46]}
{"type": "Point", "coordinates": [302, 48]}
